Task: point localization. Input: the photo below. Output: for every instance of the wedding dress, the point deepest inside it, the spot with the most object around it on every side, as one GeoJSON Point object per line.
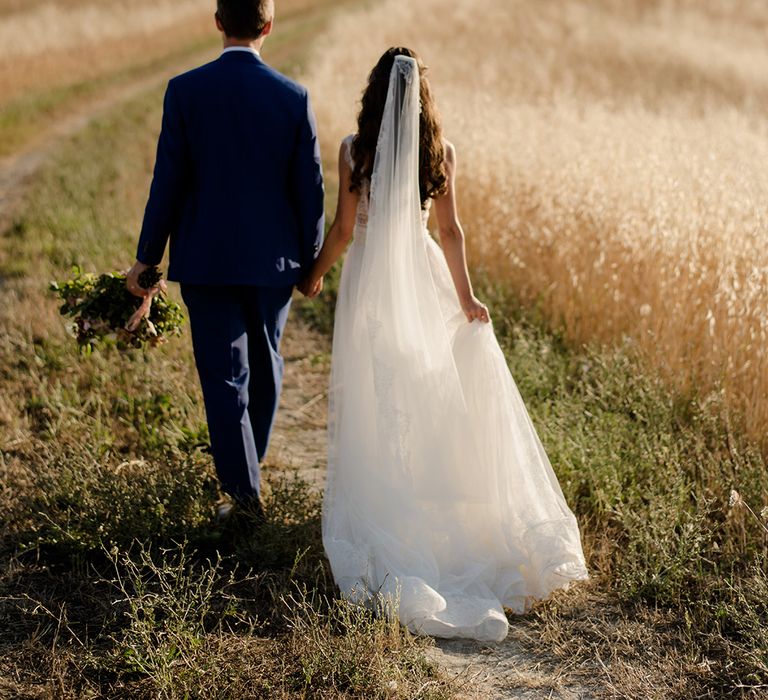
{"type": "Point", "coordinates": [440, 498]}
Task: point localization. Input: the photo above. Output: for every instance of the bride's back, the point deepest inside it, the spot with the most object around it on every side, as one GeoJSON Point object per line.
{"type": "Point", "coordinates": [361, 217]}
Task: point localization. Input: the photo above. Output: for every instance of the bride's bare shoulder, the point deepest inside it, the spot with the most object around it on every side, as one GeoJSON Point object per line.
{"type": "Point", "coordinates": [345, 147]}
{"type": "Point", "coordinates": [450, 153]}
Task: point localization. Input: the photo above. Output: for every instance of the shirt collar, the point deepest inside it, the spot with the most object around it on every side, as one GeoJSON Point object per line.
{"type": "Point", "coordinates": [249, 49]}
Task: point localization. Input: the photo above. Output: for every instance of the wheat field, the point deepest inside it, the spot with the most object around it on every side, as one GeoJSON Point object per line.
{"type": "Point", "coordinates": [612, 167]}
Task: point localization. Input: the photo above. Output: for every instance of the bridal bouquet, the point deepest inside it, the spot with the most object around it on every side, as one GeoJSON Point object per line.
{"type": "Point", "coordinates": [104, 310]}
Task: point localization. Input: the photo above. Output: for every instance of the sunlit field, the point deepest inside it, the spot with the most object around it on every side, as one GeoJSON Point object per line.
{"type": "Point", "coordinates": [612, 185]}
{"type": "Point", "coordinates": [612, 167]}
{"type": "Point", "coordinates": [54, 56]}
{"type": "Point", "coordinates": [44, 45]}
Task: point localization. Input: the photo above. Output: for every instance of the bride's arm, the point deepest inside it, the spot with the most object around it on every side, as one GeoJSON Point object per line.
{"type": "Point", "coordinates": [340, 233]}
{"type": "Point", "coordinates": [452, 242]}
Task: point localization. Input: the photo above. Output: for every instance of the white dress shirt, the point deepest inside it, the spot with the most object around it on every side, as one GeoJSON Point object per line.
{"type": "Point", "coordinates": [242, 48]}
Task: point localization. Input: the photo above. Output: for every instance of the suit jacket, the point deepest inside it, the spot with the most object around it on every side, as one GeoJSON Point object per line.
{"type": "Point", "coordinates": [238, 185]}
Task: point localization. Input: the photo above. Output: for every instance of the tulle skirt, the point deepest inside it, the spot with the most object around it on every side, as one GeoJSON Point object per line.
{"type": "Point", "coordinates": [440, 500]}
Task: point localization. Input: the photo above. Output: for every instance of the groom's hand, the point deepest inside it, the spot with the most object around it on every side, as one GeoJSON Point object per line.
{"type": "Point", "coordinates": [132, 279]}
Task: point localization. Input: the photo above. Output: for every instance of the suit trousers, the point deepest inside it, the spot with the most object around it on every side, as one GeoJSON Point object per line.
{"type": "Point", "coordinates": [236, 333]}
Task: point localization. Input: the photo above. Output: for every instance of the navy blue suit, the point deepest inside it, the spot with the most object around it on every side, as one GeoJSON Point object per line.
{"type": "Point", "coordinates": [238, 191]}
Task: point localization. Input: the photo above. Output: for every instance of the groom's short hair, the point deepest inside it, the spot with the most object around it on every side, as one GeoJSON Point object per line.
{"type": "Point", "coordinates": [244, 19]}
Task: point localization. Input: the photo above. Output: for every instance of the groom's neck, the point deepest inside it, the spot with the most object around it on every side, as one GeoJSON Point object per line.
{"type": "Point", "coordinates": [247, 43]}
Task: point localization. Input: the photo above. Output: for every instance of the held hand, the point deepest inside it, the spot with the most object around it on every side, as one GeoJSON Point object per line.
{"type": "Point", "coordinates": [476, 310]}
{"type": "Point", "coordinates": [310, 288]}
{"type": "Point", "coordinates": [132, 279]}
{"type": "Point", "coordinates": [316, 288]}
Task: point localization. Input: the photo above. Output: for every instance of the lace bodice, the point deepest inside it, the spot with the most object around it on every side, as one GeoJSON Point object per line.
{"type": "Point", "coordinates": [361, 218]}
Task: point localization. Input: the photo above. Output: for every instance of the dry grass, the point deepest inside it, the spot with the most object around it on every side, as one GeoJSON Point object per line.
{"type": "Point", "coordinates": [54, 56]}
{"type": "Point", "coordinates": [612, 166]}
{"type": "Point", "coordinates": [50, 45]}
{"type": "Point", "coordinates": [58, 27]}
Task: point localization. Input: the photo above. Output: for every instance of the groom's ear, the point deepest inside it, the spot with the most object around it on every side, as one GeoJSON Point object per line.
{"type": "Point", "coordinates": [219, 25]}
{"type": "Point", "coordinates": [267, 28]}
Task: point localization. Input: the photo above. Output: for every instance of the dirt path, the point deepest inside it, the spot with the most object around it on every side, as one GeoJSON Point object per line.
{"type": "Point", "coordinates": [497, 671]}
{"type": "Point", "coordinates": [17, 168]}
{"type": "Point", "coordinates": [299, 440]}
{"type": "Point", "coordinates": [507, 670]}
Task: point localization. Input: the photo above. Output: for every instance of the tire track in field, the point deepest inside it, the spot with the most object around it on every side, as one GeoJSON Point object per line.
{"type": "Point", "coordinates": [17, 169]}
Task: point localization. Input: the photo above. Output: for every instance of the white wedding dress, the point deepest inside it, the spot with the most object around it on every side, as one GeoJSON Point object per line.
{"type": "Point", "coordinates": [440, 499]}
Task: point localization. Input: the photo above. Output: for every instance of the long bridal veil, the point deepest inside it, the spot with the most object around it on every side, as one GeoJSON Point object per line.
{"type": "Point", "coordinates": [439, 494]}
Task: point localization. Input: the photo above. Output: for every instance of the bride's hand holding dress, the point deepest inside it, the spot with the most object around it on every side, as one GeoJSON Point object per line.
{"type": "Point", "coordinates": [452, 242]}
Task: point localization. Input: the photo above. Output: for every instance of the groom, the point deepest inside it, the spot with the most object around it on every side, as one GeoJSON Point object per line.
{"type": "Point", "coordinates": [238, 189]}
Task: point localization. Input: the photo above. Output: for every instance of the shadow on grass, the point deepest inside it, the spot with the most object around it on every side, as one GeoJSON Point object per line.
{"type": "Point", "coordinates": [246, 609]}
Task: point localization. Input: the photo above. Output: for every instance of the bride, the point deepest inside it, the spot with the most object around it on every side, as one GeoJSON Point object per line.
{"type": "Point", "coordinates": [440, 497]}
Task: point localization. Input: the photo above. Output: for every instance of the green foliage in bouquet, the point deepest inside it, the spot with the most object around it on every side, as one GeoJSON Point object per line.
{"type": "Point", "coordinates": [101, 306]}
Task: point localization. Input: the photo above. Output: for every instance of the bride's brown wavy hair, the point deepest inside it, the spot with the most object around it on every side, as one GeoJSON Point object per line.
{"type": "Point", "coordinates": [432, 176]}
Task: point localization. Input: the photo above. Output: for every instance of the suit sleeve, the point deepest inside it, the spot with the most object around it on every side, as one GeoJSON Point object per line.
{"type": "Point", "coordinates": [308, 190]}
{"type": "Point", "coordinates": [166, 194]}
